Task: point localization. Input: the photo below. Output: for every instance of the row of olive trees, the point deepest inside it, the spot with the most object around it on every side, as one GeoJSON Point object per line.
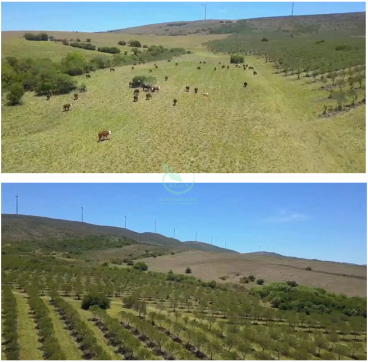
{"type": "Point", "coordinates": [50, 345]}
{"type": "Point", "coordinates": [9, 328]}
{"type": "Point", "coordinates": [87, 340]}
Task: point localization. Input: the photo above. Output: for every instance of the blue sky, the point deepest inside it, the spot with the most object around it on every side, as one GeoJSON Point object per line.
{"type": "Point", "coordinates": [102, 16]}
{"type": "Point", "coordinates": [321, 221]}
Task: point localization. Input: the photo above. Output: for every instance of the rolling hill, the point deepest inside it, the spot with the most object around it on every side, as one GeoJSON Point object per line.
{"type": "Point", "coordinates": [344, 278]}
{"type": "Point", "coordinates": [28, 228]}
{"type": "Point", "coordinates": [348, 22]}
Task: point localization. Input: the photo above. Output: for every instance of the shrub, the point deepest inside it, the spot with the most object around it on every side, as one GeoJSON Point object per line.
{"type": "Point", "coordinates": [122, 42]}
{"type": "Point", "coordinates": [236, 59]}
{"type": "Point", "coordinates": [260, 281]}
{"type": "Point", "coordinates": [188, 270]}
{"type": "Point", "coordinates": [135, 43]}
{"type": "Point", "coordinates": [111, 50]}
{"type": "Point", "coordinates": [86, 46]}
{"type": "Point", "coordinates": [212, 284]}
{"type": "Point", "coordinates": [308, 268]}
{"type": "Point", "coordinates": [82, 88]}
{"type": "Point", "coordinates": [130, 262]}
{"type": "Point", "coordinates": [95, 299]}
{"type": "Point", "coordinates": [292, 283]}
{"type": "Point", "coordinates": [264, 39]}
{"type": "Point", "coordinates": [38, 37]}
{"type": "Point", "coordinates": [15, 94]}
{"type": "Point", "coordinates": [244, 280]}
{"type": "Point", "coordinates": [172, 253]}
{"type": "Point", "coordinates": [145, 46]}
{"type": "Point", "coordinates": [252, 278]}
{"type": "Point", "coordinates": [88, 40]}
{"type": "Point", "coordinates": [141, 266]}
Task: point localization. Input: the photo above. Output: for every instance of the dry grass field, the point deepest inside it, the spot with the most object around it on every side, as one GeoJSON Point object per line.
{"type": "Point", "coordinates": [212, 266]}
{"type": "Point", "coordinates": [271, 126]}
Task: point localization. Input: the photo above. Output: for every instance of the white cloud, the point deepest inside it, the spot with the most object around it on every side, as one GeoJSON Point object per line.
{"type": "Point", "coordinates": [283, 216]}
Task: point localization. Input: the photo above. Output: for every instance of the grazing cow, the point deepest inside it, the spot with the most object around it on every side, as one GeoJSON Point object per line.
{"type": "Point", "coordinates": [177, 64]}
{"type": "Point", "coordinates": [246, 65]}
{"type": "Point", "coordinates": [75, 96]}
{"type": "Point", "coordinates": [175, 102]}
{"type": "Point", "coordinates": [196, 90]}
{"type": "Point", "coordinates": [200, 62]}
{"type": "Point", "coordinates": [251, 68]}
{"type": "Point", "coordinates": [156, 66]}
{"type": "Point", "coordinates": [204, 62]}
{"type": "Point", "coordinates": [55, 92]}
{"type": "Point", "coordinates": [112, 69]}
{"type": "Point", "coordinates": [223, 67]}
{"type": "Point", "coordinates": [67, 106]}
{"type": "Point", "coordinates": [245, 84]}
{"type": "Point", "coordinates": [135, 98]}
{"type": "Point", "coordinates": [206, 94]}
{"type": "Point", "coordinates": [254, 73]}
{"type": "Point", "coordinates": [150, 70]}
{"type": "Point", "coordinates": [155, 88]}
{"type": "Point", "coordinates": [166, 78]}
{"type": "Point", "coordinates": [198, 68]}
{"type": "Point", "coordinates": [187, 88]}
{"type": "Point", "coordinates": [88, 75]}
{"type": "Point", "coordinates": [219, 62]}
{"type": "Point", "coordinates": [148, 96]}
{"type": "Point", "coordinates": [136, 92]}
{"type": "Point", "coordinates": [169, 61]}
{"type": "Point", "coordinates": [132, 68]}
{"type": "Point", "coordinates": [102, 135]}
{"type": "Point", "coordinates": [146, 87]}
{"type": "Point", "coordinates": [228, 67]}
{"type": "Point", "coordinates": [214, 69]}
{"type": "Point", "coordinates": [134, 63]}
{"type": "Point", "coordinates": [48, 97]}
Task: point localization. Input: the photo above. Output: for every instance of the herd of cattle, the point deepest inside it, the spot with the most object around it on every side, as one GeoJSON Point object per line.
{"type": "Point", "coordinates": [102, 135]}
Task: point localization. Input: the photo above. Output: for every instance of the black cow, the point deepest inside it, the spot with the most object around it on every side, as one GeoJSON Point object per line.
{"type": "Point", "coordinates": [198, 68]}
{"type": "Point", "coordinates": [166, 78]}
{"type": "Point", "coordinates": [136, 92]}
{"type": "Point", "coordinates": [196, 90]}
{"type": "Point", "coordinates": [223, 67]}
{"type": "Point", "coordinates": [175, 101]}
{"type": "Point", "coordinates": [245, 84]}
{"type": "Point", "coordinates": [214, 69]}
{"type": "Point", "coordinates": [254, 73]}
{"type": "Point", "coordinates": [187, 88]}
{"type": "Point", "coordinates": [135, 98]}
{"type": "Point", "coordinates": [88, 76]}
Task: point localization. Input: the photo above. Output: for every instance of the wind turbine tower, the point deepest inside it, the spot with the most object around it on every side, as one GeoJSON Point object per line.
{"type": "Point", "coordinates": [205, 10]}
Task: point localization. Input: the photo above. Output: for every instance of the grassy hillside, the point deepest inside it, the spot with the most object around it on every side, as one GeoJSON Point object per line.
{"type": "Point", "coordinates": [24, 228]}
{"type": "Point", "coordinates": [222, 267]}
{"type": "Point", "coordinates": [353, 23]}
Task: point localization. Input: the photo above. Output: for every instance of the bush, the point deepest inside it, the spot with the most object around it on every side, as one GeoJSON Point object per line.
{"type": "Point", "coordinates": [252, 278]}
{"type": "Point", "coordinates": [111, 50]}
{"type": "Point", "coordinates": [38, 37]}
{"type": "Point", "coordinates": [308, 268]}
{"type": "Point", "coordinates": [82, 88]}
{"type": "Point", "coordinates": [130, 262]}
{"type": "Point", "coordinates": [95, 299]}
{"type": "Point", "coordinates": [172, 253]}
{"type": "Point", "coordinates": [122, 42]}
{"type": "Point", "coordinates": [141, 266]}
{"type": "Point", "coordinates": [188, 270]}
{"type": "Point", "coordinates": [147, 80]}
{"type": "Point", "coordinates": [236, 59]}
{"type": "Point", "coordinates": [88, 40]}
{"type": "Point", "coordinates": [244, 280]}
{"type": "Point", "coordinates": [145, 46]}
{"type": "Point", "coordinates": [260, 281]}
{"type": "Point", "coordinates": [86, 46]}
{"type": "Point", "coordinates": [16, 92]}
{"type": "Point", "coordinates": [212, 284]}
{"type": "Point", "coordinates": [264, 39]}
{"type": "Point", "coordinates": [292, 283]}
{"type": "Point", "coordinates": [135, 43]}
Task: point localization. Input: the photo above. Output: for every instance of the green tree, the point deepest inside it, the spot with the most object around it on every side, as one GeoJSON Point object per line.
{"type": "Point", "coordinates": [15, 94]}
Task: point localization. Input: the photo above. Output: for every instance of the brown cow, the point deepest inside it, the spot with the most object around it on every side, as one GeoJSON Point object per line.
{"type": "Point", "coordinates": [214, 69]}
{"type": "Point", "coordinates": [148, 96]}
{"type": "Point", "coordinates": [135, 98]}
{"type": "Point", "coordinates": [204, 62]}
{"type": "Point", "coordinates": [187, 89]}
{"type": "Point", "coordinates": [169, 61]}
{"type": "Point", "coordinates": [75, 96]}
{"type": "Point", "coordinates": [200, 62]}
{"type": "Point", "coordinates": [254, 73]}
{"type": "Point", "coordinates": [196, 90]}
{"type": "Point", "coordinates": [175, 102]}
{"type": "Point", "coordinates": [67, 106]}
{"type": "Point", "coordinates": [55, 92]}
{"type": "Point", "coordinates": [88, 76]}
{"type": "Point", "coordinates": [155, 88]}
{"type": "Point", "coordinates": [228, 67]}
{"type": "Point", "coordinates": [219, 62]}
{"type": "Point", "coordinates": [102, 135]}
{"type": "Point", "coordinates": [251, 68]}
{"type": "Point", "coordinates": [150, 70]}
{"type": "Point", "coordinates": [48, 97]}
{"type": "Point", "coordinates": [223, 67]}
{"type": "Point", "coordinates": [166, 78]}
{"type": "Point", "coordinates": [132, 68]}
{"type": "Point", "coordinates": [156, 66]}
{"type": "Point", "coordinates": [136, 91]}
{"type": "Point", "coordinates": [112, 70]}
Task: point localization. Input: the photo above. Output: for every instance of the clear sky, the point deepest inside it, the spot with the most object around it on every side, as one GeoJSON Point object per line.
{"type": "Point", "coordinates": [315, 221]}
{"type": "Point", "coordinates": [102, 16]}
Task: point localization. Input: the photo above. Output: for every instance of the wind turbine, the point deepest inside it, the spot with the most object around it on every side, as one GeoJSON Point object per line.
{"type": "Point", "coordinates": [82, 212]}
{"type": "Point", "coordinates": [292, 9]}
{"type": "Point", "coordinates": [205, 10]}
{"type": "Point", "coordinates": [16, 203]}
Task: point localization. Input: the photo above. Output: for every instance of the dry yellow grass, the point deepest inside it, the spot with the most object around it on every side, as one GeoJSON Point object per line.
{"type": "Point", "coordinates": [212, 266]}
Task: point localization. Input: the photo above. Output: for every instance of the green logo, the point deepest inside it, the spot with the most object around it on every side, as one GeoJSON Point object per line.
{"type": "Point", "coordinates": [178, 187]}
